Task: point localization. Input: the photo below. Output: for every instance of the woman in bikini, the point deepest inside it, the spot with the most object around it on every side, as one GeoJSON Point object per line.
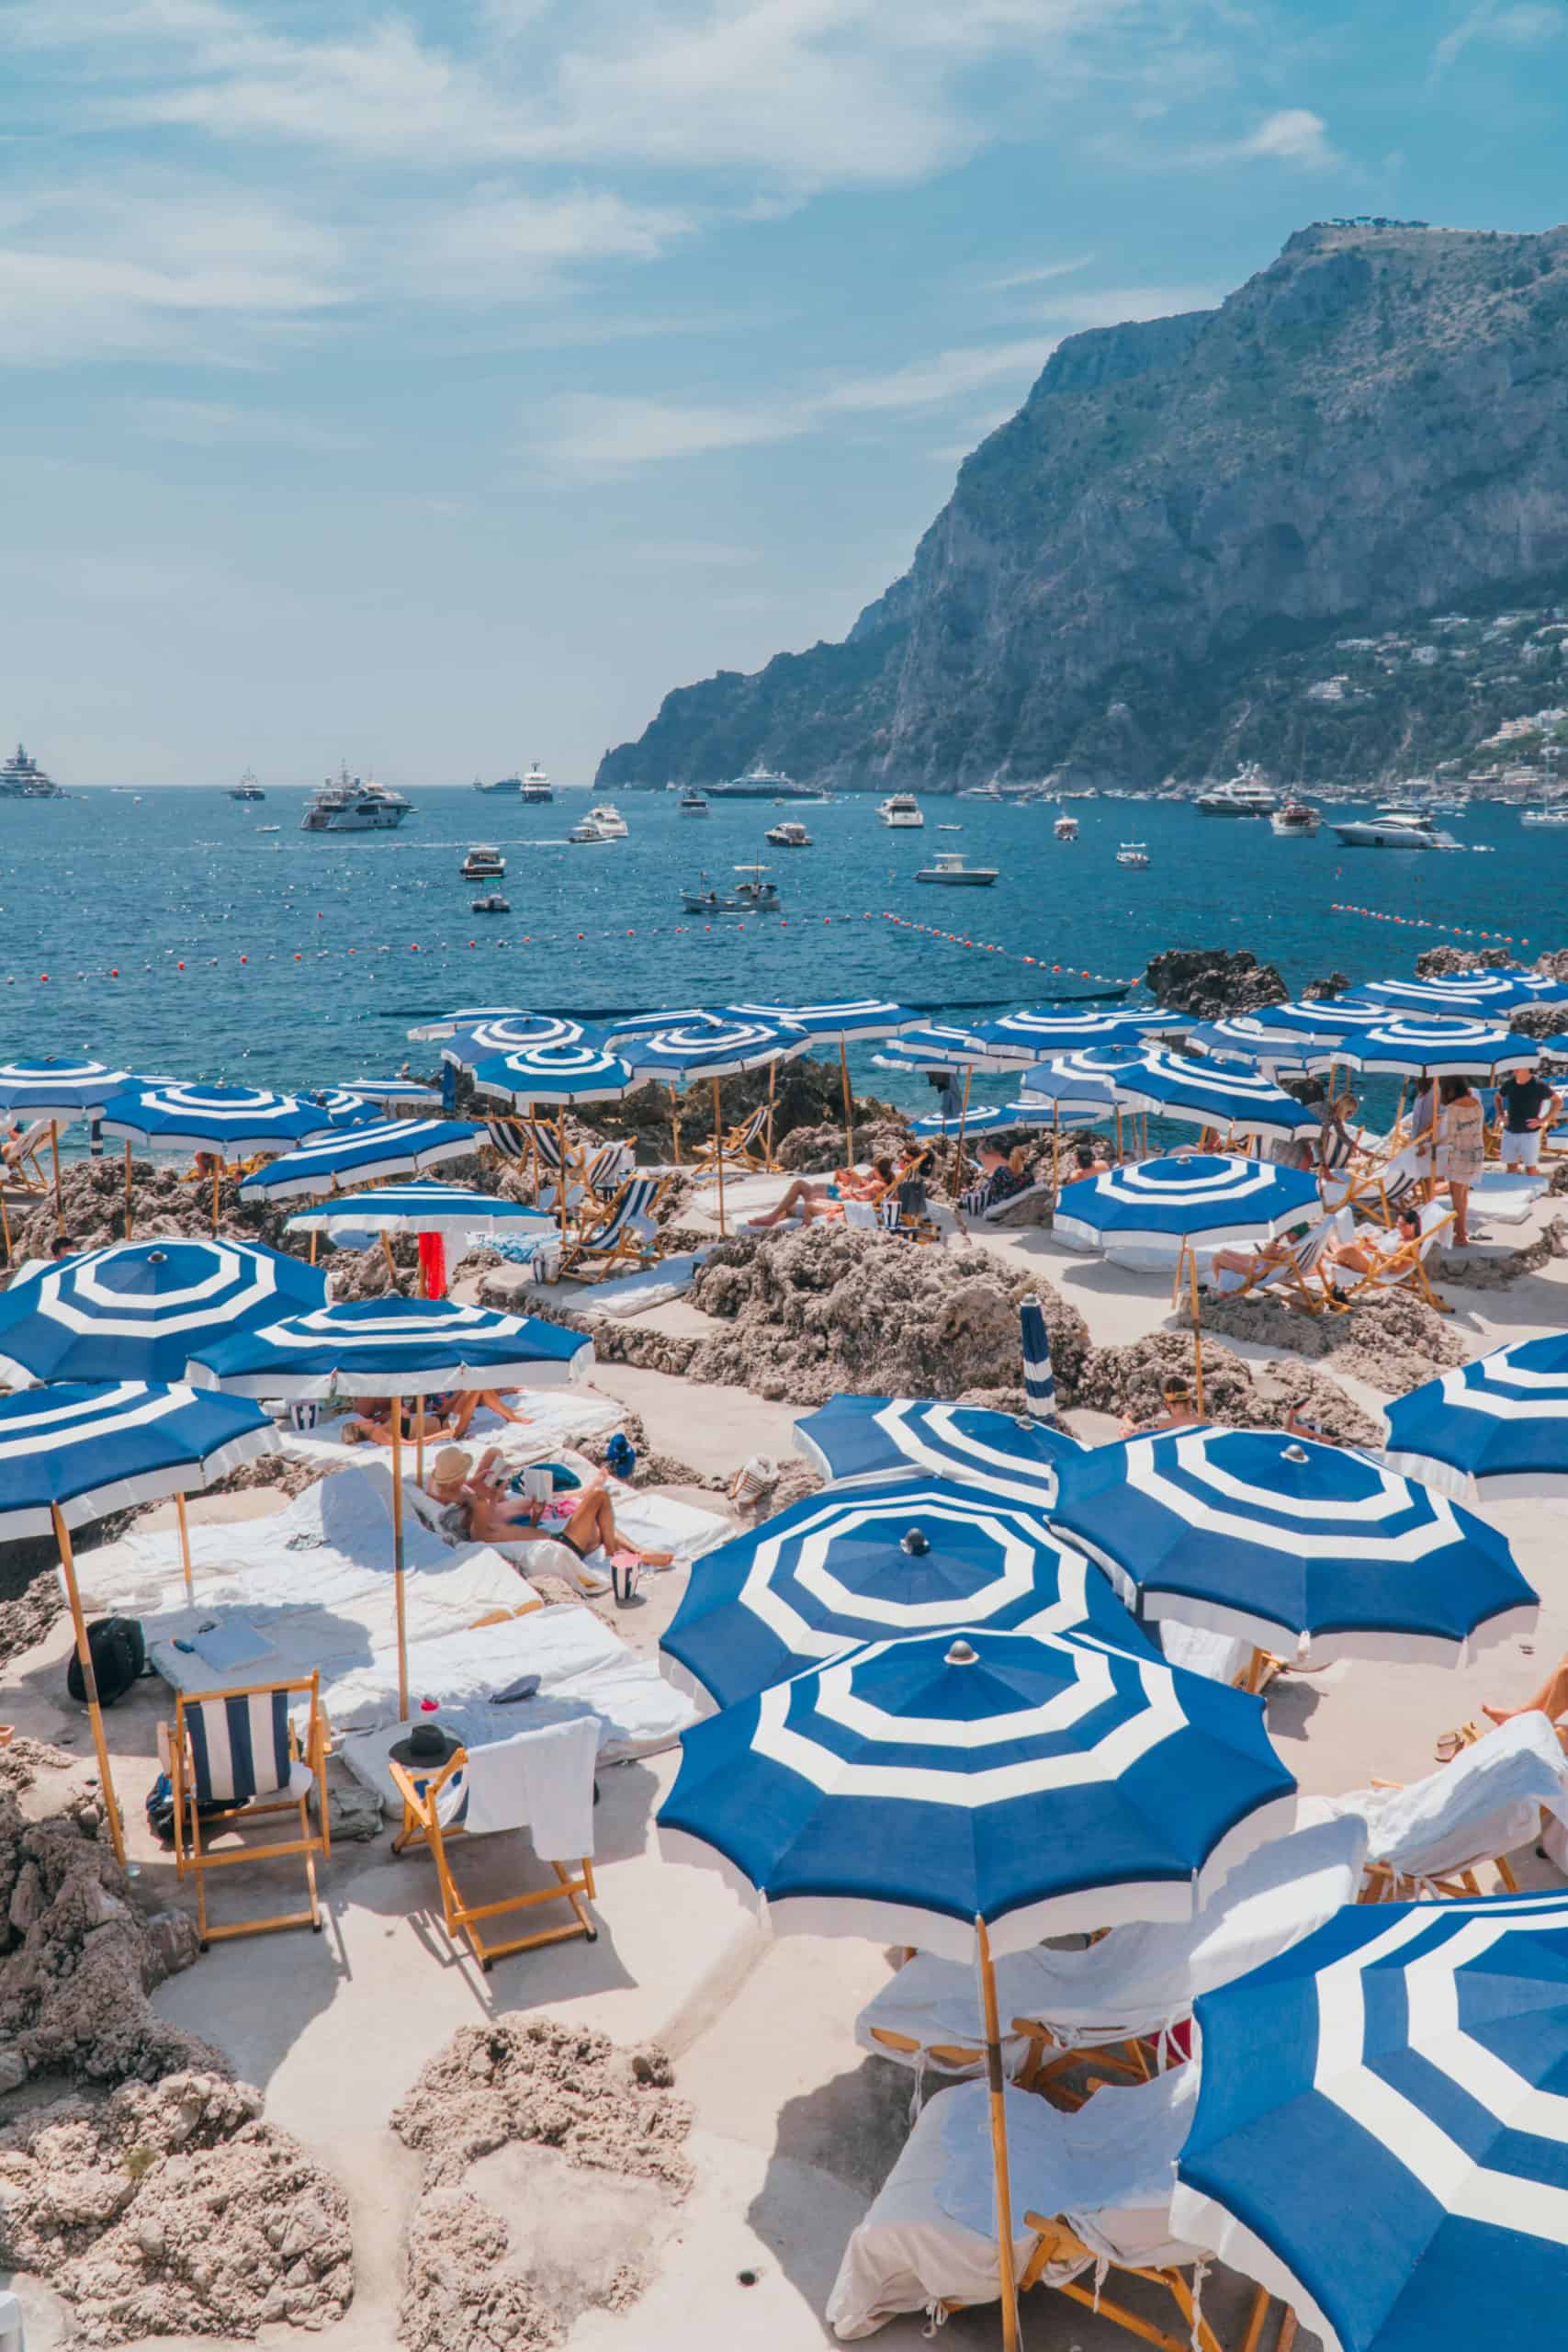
{"type": "Point", "coordinates": [478, 1506]}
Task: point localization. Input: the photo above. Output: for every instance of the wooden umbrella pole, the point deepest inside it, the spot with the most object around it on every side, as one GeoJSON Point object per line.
{"type": "Point", "coordinates": [184, 1545]}
{"type": "Point", "coordinates": [315, 1237]}
{"type": "Point", "coordinates": [675, 1120]}
{"type": "Point", "coordinates": [387, 1253]}
{"type": "Point", "coordinates": [1117, 1108]}
{"type": "Point", "coordinates": [217, 1173]}
{"type": "Point", "coordinates": [849, 1109]}
{"type": "Point", "coordinates": [561, 1180]}
{"type": "Point", "coordinates": [1197, 1328]}
{"type": "Point", "coordinates": [718, 1147]}
{"type": "Point", "coordinates": [773, 1097]}
{"type": "Point", "coordinates": [397, 1559]}
{"type": "Point", "coordinates": [958, 1148]}
{"type": "Point", "coordinates": [127, 1208]}
{"type": "Point", "coordinates": [418, 1443]}
{"type": "Point", "coordinates": [1056, 1147]}
{"type": "Point", "coordinates": [533, 1151]}
{"type": "Point", "coordinates": [5, 1225]}
{"type": "Point", "coordinates": [59, 1203]}
{"type": "Point", "coordinates": [89, 1682]}
{"type": "Point", "coordinates": [997, 2083]}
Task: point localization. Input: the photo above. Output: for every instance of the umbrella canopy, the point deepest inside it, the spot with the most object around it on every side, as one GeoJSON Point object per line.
{"type": "Point", "coordinates": [387, 1091]}
{"type": "Point", "coordinates": [1209, 1197]}
{"type": "Point", "coordinates": [1378, 2136]}
{"type": "Point", "coordinates": [546, 1028]}
{"type": "Point", "coordinates": [704, 1047]}
{"type": "Point", "coordinates": [342, 1106]}
{"type": "Point", "coordinates": [511, 1033]}
{"type": "Point", "coordinates": [53, 1087]}
{"type": "Point", "coordinates": [88, 1447]}
{"type": "Point", "coordinates": [389, 1147]}
{"type": "Point", "coordinates": [862, 1437]}
{"type": "Point", "coordinates": [135, 1310]}
{"type": "Point", "coordinates": [845, 1022]}
{"type": "Point", "coordinates": [1040, 1782]}
{"type": "Point", "coordinates": [1083, 1085]}
{"type": "Point", "coordinates": [580, 1072]}
{"type": "Point", "coordinates": [986, 1119]}
{"type": "Point", "coordinates": [1213, 1094]}
{"type": "Point", "coordinates": [1494, 1426]}
{"type": "Point", "coordinates": [1248, 1038]}
{"type": "Point", "coordinates": [400, 1347]}
{"type": "Point", "coordinates": [643, 1024]}
{"type": "Point", "coordinates": [450, 1210]}
{"type": "Point", "coordinates": [1416, 1047]}
{"type": "Point", "coordinates": [229, 1121]}
{"type": "Point", "coordinates": [1251, 1532]}
{"type": "Point", "coordinates": [1320, 1021]}
{"type": "Point", "coordinates": [1039, 1037]}
{"type": "Point", "coordinates": [940, 1045]}
{"type": "Point", "coordinates": [1498, 994]}
{"type": "Point", "coordinates": [866, 1561]}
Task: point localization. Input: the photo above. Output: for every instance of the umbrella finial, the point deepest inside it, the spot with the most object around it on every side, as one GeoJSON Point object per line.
{"type": "Point", "coordinates": [962, 1654]}
{"type": "Point", "coordinates": [157, 1257]}
{"type": "Point", "coordinates": [917, 1542]}
{"type": "Point", "coordinates": [1294, 1453]}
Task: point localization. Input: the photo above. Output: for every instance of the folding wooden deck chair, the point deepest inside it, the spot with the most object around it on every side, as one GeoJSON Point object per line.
{"type": "Point", "coordinates": [1495, 1796]}
{"type": "Point", "coordinates": [485, 1793]}
{"type": "Point", "coordinates": [745, 1146]}
{"type": "Point", "coordinates": [607, 1171]}
{"type": "Point", "coordinates": [1291, 1273]}
{"type": "Point", "coordinates": [623, 1238]}
{"type": "Point", "coordinates": [1406, 1269]}
{"type": "Point", "coordinates": [233, 1759]}
{"type": "Point", "coordinates": [23, 1167]}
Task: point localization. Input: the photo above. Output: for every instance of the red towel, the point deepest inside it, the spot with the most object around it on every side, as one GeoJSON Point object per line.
{"type": "Point", "coordinates": [433, 1265]}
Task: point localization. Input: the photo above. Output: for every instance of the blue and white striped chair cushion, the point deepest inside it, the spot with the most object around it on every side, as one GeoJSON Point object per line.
{"type": "Point", "coordinates": [239, 1747]}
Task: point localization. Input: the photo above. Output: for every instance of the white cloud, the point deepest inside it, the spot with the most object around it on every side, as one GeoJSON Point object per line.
{"type": "Point", "coordinates": [1526, 24]}
{"type": "Point", "coordinates": [925, 383]}
{"type": "Point", "coordinates": [1038, 276]}
{"type": "Point", "coordinates": [1115, 306]}
{"type": "Point", "coordinates": [594, 435]}
{"type": "Point", "coordinates": [1294, 135]}
{"type": "Point", "coordinates": [498, 242]}
{"type": "Point", "coordinates": [213, 425]}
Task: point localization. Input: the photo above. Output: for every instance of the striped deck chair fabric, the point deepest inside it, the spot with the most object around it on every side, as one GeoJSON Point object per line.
{"type": "Point", "coordinates": [740, 1145]}
{"type": "Point", "coordinates": [626, 1233]}
{"type": "Point", "coordinates": [236, 1760]}
{"type": "Point", "coordinates": [509, 1137]}
{"type": "Point", "coordinates": [238, 1746]}
{"type": "Point", "coordinates": [1039, 1380]}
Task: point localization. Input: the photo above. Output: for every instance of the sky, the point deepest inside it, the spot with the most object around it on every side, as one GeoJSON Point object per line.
{"type": "Point", "coordinates": [434, 387]}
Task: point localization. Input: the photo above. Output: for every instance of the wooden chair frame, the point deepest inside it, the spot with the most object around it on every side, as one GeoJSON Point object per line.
{"type": "Point", "coordinates": [626, 1248]}
{"type": "Point", "coordinates": [423, 1826]}
{"type": "Point", "coordinates": [192, 1860]}
{"type": "Point", "coordinates": [1410, 1277]}
{"type": "Point", "coordinates": [740, 1143]}
{"type": "Point", "coordinates": [1055, 2241]}
{"type": "Point", "coordinates": [30, 1143]}
{"type": "Point", "coordinates": [1381, 1882]}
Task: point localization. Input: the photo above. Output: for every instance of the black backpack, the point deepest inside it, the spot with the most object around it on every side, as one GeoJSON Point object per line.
{"type": "Point", "coordinates": [119, 1659]}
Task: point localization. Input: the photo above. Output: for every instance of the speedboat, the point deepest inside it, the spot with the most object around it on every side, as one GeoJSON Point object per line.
{"type": "Point", "coordinates": [610, 822]}
{"type": "Point", "coordinates": [900, 808]}
{"type": "Point", "coordinates": [790, 834]}
{"type": "Point", "coordinates": [589, 828]}
{"type": "Point", "coordinates": [484, 863]}
{"type": "Point", "coordinates": [344, 805]}
{"type": "Point", "coordinates": [1394, 829]}
{"type": "Point", "coordinates": [950, 868]}
{"type": "Point", "coordinates": [692, 805]}
{"type": "Point", "coordinates": [1248, 793]}
{"type": "Point", "coordinates": [492, 903]}
{"type": "Point", "coordinates": [1131, 853]}
{"type": "Point", "coordinates": [1295, 820]}
{"type": "Point", "coordinates": [750, 896]}
{"type": "Point", "coordinates": [1065, 829]}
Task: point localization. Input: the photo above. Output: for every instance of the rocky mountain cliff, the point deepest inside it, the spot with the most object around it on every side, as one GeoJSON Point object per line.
{"type": "Point", "coordinates": [1199, 541]}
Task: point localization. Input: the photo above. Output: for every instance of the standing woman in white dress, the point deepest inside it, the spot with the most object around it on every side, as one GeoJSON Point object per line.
{"type": "Point", "coordinates": [1462, 1147]}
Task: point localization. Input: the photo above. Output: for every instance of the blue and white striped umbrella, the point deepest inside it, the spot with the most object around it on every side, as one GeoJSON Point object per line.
{"type": "Point", "coordinates": [1473, 993]}
{"type": "Point", "coordinates": [1215, 1095]}
{"type": "Point", "coordinates": [1039, 1380]}
{"type": "Point", "coordinates": [1380, 2136]}
{"type": "Point", "coordinates": [450, 1210]}
{"type": "Point", "coordinates": [1320, 1021]}
{"type": "Point", "coordinates": [1283, 1543]}
{"type": "Point", "coordinates": [1416, 1047]}
{"type": "Point", "coordinates": [1207, 1198]}
{"type": "Point", "coordinates": [1496, 1427]}
{"type": "Point", "coordinates": [513, 1033]}
{"type": "Point", "coordinates": [1040, 1782]}
{"type": "Point", "coordinates": [860, 1562]}
{"type": "Point", "coordinates": [582, 1072]}
{"type": "Point", "coordinates": [847, 1020]}
{"type": "Point", "coordinates": [229, 1121]}
{"type": "Point", "coordinates": [1042, 1035]}
{"type": "Point", "coordinates": [987, 1119]}
{"type": "Point", "coordinates": [135, 1310]}
{"type": "Point", "coordinates": [398, 1347]}
{"type": "Point", "coordinates": [703, 1047]}
{"type": "Point", "coordinates": [389, 1092]}
{"type": "Point", "coordinates": [546, 1029]}
{"type": "Point", "coordinates": [389, 1147]}
{"type": "Point", "coordinates": [1094, 1078]}
{"type": "Point", "coordinates": [88, 1447]}
{"type": "Point", "coordinates": [644, 1024]}
{"type": "Point", "coordinates": [862, 1437]}
{"type": "Point", "coordinates": [55, 1087]}
{"type": "Point", "coordinates": [940, 1045]}
{"type": "Point", "coordinates": [1246, 1037]}
{"type": "Point", "coordinates": [342, 1106]}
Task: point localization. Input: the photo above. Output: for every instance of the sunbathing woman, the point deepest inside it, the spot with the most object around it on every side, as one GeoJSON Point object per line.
{"type": "Point", "coordinates": [1383, 1252]}
{"type": "Point", "coordinates": [478, 1506]}
{"type": "Point", "coordinates": [809, 1197]}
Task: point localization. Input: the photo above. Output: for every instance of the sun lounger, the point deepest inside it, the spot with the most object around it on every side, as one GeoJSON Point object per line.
{"type": "Point", "coordinates": [541, 1779]}
{"type": "Point", "coordinates": [624, 1236]}
{"type": "Point", "coordinates": [1090, 2192]}
{"type": "Point", "coordinates": [236, 1758]}
{"type": "Point", "coordinates": [23, 1167]}
{"type": "Point", "coordinates": [1294, 1275]}
{"type": "Point", "coordinates": [745, 1145]}
{"type": "Point", "coordinates": [1498, 1197]}
{"type": "Point", "coordinates": [1431, 1837]}
{"type": "Point", "coordinates": [1403, 1269]}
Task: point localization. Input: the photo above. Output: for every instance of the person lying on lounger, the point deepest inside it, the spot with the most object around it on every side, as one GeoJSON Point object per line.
{"type": "Point", "coordinates": [1367, 1252]}
{"type": "Point", "coordinates": [809, 1197]}
{"type": "Point", "coordinates": [478, 1506]}
{"type": "Point", "coordinates": [447, 1412]}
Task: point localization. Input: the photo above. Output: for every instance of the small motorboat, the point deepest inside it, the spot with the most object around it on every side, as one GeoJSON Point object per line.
{"type": "Point", "coordinates": [269, 828]}
{"type": "Point", "coordinates": [691, 804]}
{"type": "Point", "coordinates": [492, 903]}
{"type": "Point", "coordinates": [750, 896]}
{"type": "Point", "coordinates": [1132, 853]}
{"type": "Point", "coordinates": [950, 867]}
{"type": "Point", "coordinates": [790, 834]}
{"type": "Point", "coordinates": [1065, 829]}
{"type": "Point", "coordinates": [1297, 821]}
{"type": "Point", "coordinates": [484, 863]}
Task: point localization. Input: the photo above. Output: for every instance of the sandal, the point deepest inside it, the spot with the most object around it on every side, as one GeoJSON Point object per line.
{"type": "Point", "coordinates": [1450, 1743]}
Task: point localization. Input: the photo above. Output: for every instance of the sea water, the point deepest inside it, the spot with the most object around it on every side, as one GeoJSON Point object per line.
{"type": "Point", "coordinates": [178, 938]}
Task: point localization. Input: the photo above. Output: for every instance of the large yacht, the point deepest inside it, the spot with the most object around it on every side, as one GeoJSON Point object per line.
{"type": "Point", "coordinates": [346, 805]}
{"type": "Point", "coordinates": [762, 783]}
{"type": "Point", "coordinates": [246, 789]}
{"type": "Point", "coordinates": [536, 786]}
{"type": "Point", "coordinates": [21, 778]}
{"type": "Point", "coordinates": [1248, 793]}
{"type": "Point", "coordinates": [691, 804]}
{"type": "Point", "coordinates": [900, 808]}
{"type": "Point", "coordinates": [1394, 829]}
{"type": "Point", "coordinates": [611, 823]}
{"type": "Point", "coordinates": [484, 863]}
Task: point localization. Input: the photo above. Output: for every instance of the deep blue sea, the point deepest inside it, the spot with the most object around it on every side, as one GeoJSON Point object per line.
{"type": "Point", "coordinates": [293, 958]}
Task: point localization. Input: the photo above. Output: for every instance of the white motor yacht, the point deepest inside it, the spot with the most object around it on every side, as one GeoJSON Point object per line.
{"type": "Point", "coordinates": [484, 863]}
{"type": "Point", "coordinates": [1295, 820]}
{"type": "Point", "coordinates": [950, 868]}
{"type": "Point", "coordinates": [1545, 815]}
{"type": "Point", "coordinates": [900, 808]}
{"type": "Point", "coordinates": [1066, 828]}
{"type": "Point", "coordinates": [345, 805]}
{"type": "Point", "coordinates": [1394, 829]}
{"type": "Point", "coordinates": [589, 828]}
{"type": "Point", "coordinates": [610, 822]}
{"type": "Point", "coordinates": [246, 789]}
{"type": "Point", "coordinates": [1248, 793]}
{"type": "Point", "coordinates": [790, 834]}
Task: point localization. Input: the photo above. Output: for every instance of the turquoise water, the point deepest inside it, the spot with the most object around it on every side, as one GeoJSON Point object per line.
{"type": "Point", "coordinates": [306, 958]}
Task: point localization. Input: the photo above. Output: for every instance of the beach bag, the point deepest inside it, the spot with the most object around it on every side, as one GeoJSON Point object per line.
{"type": "Point", "coordinates": [119, 1659]}
{"type": "Point", "coordinates": [914, 1205]}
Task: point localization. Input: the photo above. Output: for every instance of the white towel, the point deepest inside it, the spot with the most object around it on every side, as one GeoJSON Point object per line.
{"type": "Point", "coordinates": [542, 1780]}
